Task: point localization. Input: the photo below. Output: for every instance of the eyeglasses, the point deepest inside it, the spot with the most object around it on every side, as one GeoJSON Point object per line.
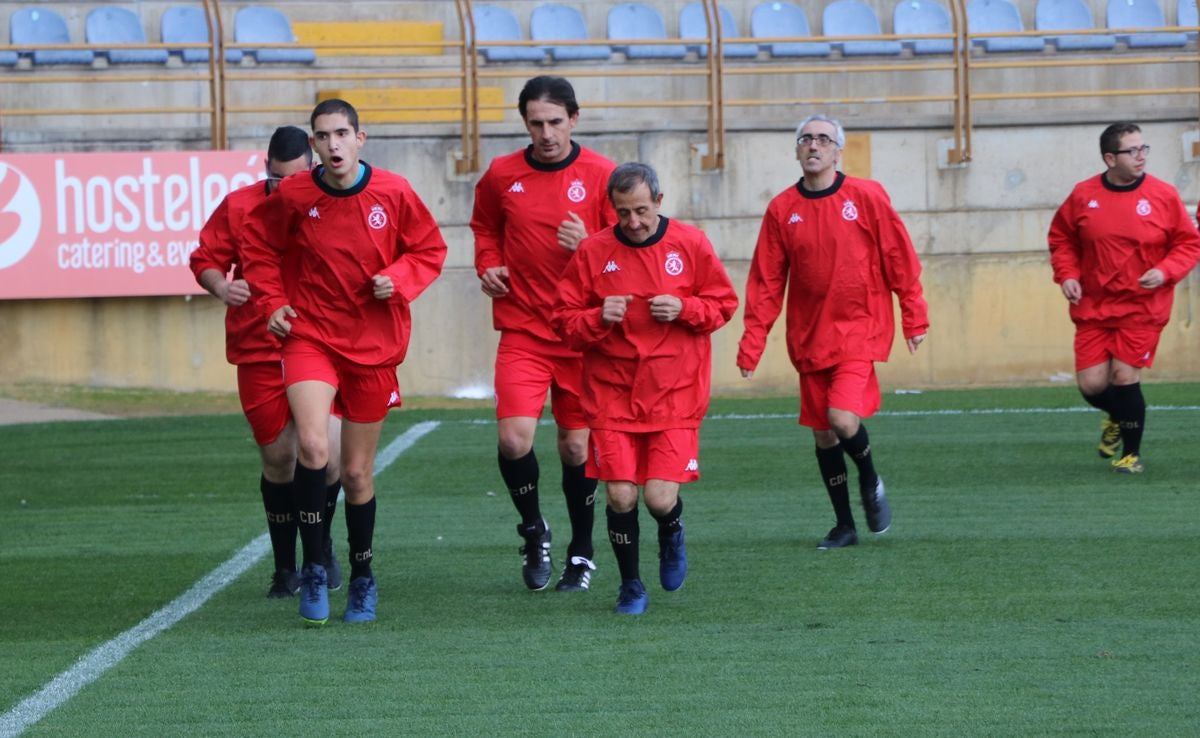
{"type": "Point", "coordinates": [273, 179]}
{"type": "Point", "coordinates": [1133, 151]}
{"type": "Point", "coordinates": [822, 140]}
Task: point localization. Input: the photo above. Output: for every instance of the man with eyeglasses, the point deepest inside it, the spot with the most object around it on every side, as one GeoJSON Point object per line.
{"type": "Point", "coordinates": [839, 250]}
{"type": "Point", "coordinates": [1118, 245]}
{"type": "Point", "coordinates": [217, 265]}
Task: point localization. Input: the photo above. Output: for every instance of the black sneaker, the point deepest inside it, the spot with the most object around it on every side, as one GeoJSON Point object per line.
{"type": "Point", "coordinates": [333, 570]}
{"type": "Point", "coordinates": [875, 505]}
{"type": "Point", "coordinates": [838, 537]}
{"type": "Point", "coordinates": [535, 554]}
{"type": "Point", "coordinates": [576, 575]}
{"type": "Point", "coordinates": [284, 583]}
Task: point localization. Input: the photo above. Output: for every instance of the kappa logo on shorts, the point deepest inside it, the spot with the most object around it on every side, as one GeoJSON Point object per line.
{"type": "Point", "coordinates": [1143, 207]}
{"type": "Point", "coordinates": [576, 192]}
{"type": "Point", "coordinates": [674, 264]}
{"type": "Point", "coordinates": [377, 219]}
{"type": "Point", "coordinates": [692, 465]}
{"type": "Point", "coordinates": [849, 211]}
{"type": "Point", "coordinates": [394, 398]}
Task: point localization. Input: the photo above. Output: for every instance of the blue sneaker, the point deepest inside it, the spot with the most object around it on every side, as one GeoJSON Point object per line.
{"type": "Point", "coordinates": [314, 595]}
{"type": "Point", "coordinates": [632, 598]}
{"type": "Point", "coordinates": [672, 560]}
{"type": "Point", "coordinates": [361, 600]}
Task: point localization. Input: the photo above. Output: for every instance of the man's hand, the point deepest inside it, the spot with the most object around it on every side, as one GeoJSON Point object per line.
{"type": "Point", "coordinates": [571, 232]}
{"type": "Point", "coordinates": [665, 308]}
{"type": "Point", "coordinates": [1072, 290]}
{"type": "Point", "coordinates": [278, 322]}
{"type": "Point", "coordinates": [614, 308]}
{"type": "Point", "coordinates": [1152, 279]}
{"type": "Point", "coordinates": [382, 287]}
{"type": "Point", "coordinates": [914, 342]}
{"type": "Point", "coordinates": [233, 293]}
{"type": "Point", "coordinates": [494, 281]}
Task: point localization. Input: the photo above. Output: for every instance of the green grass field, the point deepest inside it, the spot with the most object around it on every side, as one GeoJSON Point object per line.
{"type": "Point", "coordinates": [1024, 588]}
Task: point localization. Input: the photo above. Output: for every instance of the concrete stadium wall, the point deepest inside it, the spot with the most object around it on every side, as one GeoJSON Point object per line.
{"type": "Point", "coordinates": [996, 316]}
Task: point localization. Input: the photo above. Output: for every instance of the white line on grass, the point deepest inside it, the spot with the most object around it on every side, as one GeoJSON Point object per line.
{"type": "Point", "coordinates": [911, 413]}
{"type": "Point", "coordinates": [89, 668]}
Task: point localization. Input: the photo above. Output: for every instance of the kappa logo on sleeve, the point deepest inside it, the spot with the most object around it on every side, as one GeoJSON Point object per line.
{"type": "Point", "coordinates": [20, 215]}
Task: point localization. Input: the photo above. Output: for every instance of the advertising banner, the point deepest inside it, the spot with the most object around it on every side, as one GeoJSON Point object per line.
{"type": "Point", "coordinates": [110, 224]}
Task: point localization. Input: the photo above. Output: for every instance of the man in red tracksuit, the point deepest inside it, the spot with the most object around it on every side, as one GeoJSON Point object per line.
{"type": "Point", "coordinates": [256, 354]}
{"type": "Point", "coordinates": [1118, 245]}
{"type": "Point", "coordinates": [532, 208]}
{"type": "Point", "coordinates": [640, 300]}
{"type": "Point", "coordinates": [366, 247]}
{"type": "Point", "coordinates": [840, 250]}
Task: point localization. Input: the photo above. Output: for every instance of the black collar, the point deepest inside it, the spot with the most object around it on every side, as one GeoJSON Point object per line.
{"type": "Point", "coordinates": [658, 235]}
{"type": "Point", "coordinates": [333, 192]}
{"type": "Point", "coordinates": [1121, 188]}
{"type": "Point", "coordinates": [542, 166]}
{"type": "Point", "coordinates": [817, 194]}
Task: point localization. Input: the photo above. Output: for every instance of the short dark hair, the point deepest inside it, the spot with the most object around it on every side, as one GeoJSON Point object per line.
{"type": "Point", "coordinates": [628, 176]}
{"type": "Point", "coordinates": [1110, 140]}
{"type": "Point", "coordinates": [333, 106]}
{"type": "Point", "coordinates": [551, 89]}
{"type": "Point", "coordinates": [288, 143]}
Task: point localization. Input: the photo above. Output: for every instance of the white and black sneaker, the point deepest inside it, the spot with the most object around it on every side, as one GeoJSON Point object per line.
{"type": "Point", "coordinates": [535, 554]}
{"type": "Point", "coordinates": [576, 575]}
{"type": "Point", "coordinates": [875, 505]}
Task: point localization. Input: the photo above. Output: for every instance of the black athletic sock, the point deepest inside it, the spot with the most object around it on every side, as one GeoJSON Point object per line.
{"type": "Point", "coordinates": [521, 478]}
{"type": "Point", "coordinates": [580, 492]}
{"type": "Point", "coordinates": [1105, 400]}
{"type": "Point", "coordinates": [360, 529]}
{"type": "Point", "coordinates": [1130, 413]}
{"type": "Point", "coordinates": [331, 495]}
{"type": "Point", "coordinates": [281, 522]}
{"type": "Point", "coordinates": [308, 488]}
{"type": "Point", "coordinates": [833, 473]}
{"type": "Point", "coordinates": [858, 448]}
{"type": "Point", "coordinates": [623, 533]}
{"type": "Point", "coordinates": [671, 521]}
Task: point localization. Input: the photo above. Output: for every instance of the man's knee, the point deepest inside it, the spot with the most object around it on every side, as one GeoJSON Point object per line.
{"type": "Point", "coordinates": [622, 496]}
{"type": "Point", "coordinates": [516, 440]}
{"type": "Point", "coordinates": [825, 438]}
{"type": "Point", "coordinates": [572, 447]}
{"type": "Point", "coordinates": [843, 422]}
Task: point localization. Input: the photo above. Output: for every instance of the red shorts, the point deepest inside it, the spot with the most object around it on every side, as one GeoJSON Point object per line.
{"type": "Point", "coordinates": [364, 393]}
{"type": "Point", "coordinates": [264, 399]}
{"type": "Point", "coordinates": [1096, 345]}
{"type": "Point", "coordinates": [850, 386]}
{"type": "Point", "coordinates": [671, 455]}
{"type": "Point", "coordinates": [526, 368]}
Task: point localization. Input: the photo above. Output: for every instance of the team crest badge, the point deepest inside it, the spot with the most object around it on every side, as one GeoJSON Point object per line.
{"type": "Point", "coordinates": [576, 192]}
{"type": "Point", "coordinates": [849, 211]}
{"type": "Point", "coordinates": [673, 265]}
{"type": "Point", "coordinates": [1143, 207]}
{"type": "Point", "coordinates": [377, 218]}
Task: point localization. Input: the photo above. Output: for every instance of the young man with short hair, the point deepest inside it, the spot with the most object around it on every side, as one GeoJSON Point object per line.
{"type": "Point", "coordinates": [365, 247]}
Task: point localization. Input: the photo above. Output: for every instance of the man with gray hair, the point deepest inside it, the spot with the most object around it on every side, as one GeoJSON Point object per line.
{"type": "Point", "coordinates": [640, 300]}
{"type": "Point", "coordinates": [838, 248]}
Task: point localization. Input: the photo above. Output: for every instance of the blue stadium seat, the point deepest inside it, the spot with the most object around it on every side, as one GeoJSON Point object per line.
{"type": "Point", "coordinates": [628, 21]}
{"type": "Point", "coordinates": [257, 24]}
{"type": "Point", "coordinates": [856, 18]}
{"type": "Point", "coordinates": [43, 26]}
{"type": "Point", "coordinates": [912, 17]}
{"type": "Point", "coordinates": [552, 22]}
{"type": "Point", "coordinates": [187, 25]}
{"type": "Point", "coordinates": [991, 16]}
{"type": "Point", "coordinates": [1186, 15]}
{"type": "Point", "coordinates": [785, 20]}
{"type": "Point", "coordinates": [8, 58]}
{"type": "Point", "coordinates": [1070, 15]}
{"type": "Point", "coordinates": [1142, 14]}
{"type": "Point", "coordinates": [493, 23]}
{"type": "Point", "coordinates": [694, 24]}
{"type": "Point", "coordinates": [109, 24]}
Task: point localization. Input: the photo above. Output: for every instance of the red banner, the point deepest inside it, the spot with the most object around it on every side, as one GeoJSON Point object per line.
{"type": "Point", "coordinates": [112, 224]}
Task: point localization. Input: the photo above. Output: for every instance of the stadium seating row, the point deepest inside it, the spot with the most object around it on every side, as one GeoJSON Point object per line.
{"type": "Point", "coordinates": [776, 18]}
{"type": "Point", "coordinates": [116, 26]}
